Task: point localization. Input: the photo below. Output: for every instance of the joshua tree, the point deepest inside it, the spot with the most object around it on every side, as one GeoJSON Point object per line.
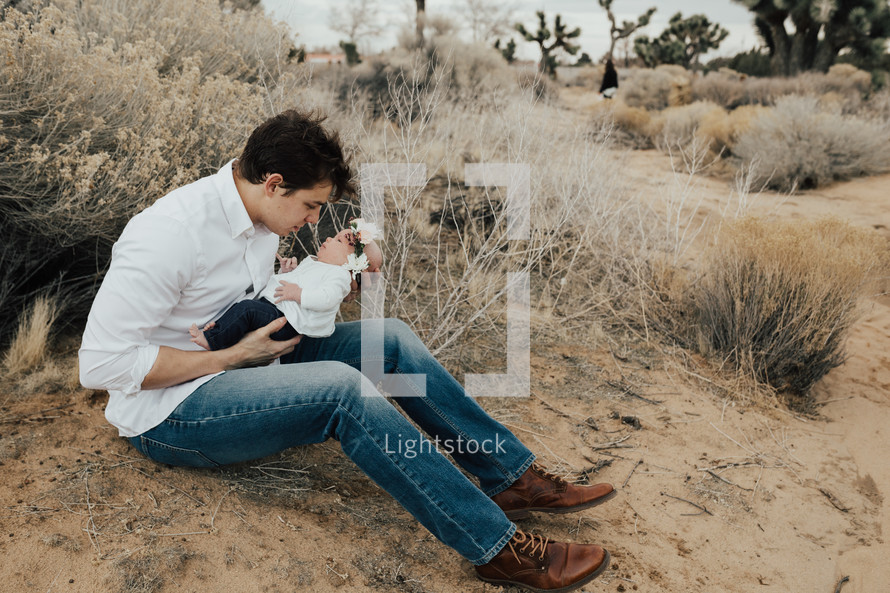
{"type": "Point", "coordinates": [682, 42]}
{"type": "Point", "coordinates": [627, 28]}
{"type": "Point", "coordinates": [560, 40]}
{"type": "Point", "coordinates": [809, 34]}
{"type": "Point", "coordinates": [508, 50]}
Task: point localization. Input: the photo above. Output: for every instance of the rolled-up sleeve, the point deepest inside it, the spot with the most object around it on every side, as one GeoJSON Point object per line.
{"type": "Point", "coordinates": [152, 262]}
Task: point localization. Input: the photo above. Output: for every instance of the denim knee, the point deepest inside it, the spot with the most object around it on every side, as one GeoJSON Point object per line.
{"type": "Point", "coordinates": [398, 336]}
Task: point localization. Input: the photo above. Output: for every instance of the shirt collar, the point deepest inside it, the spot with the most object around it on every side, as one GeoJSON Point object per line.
{"type": "Point", "coordinates": [233, 207]}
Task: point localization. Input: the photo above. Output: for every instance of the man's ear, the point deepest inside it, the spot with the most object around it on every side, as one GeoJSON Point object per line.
{"type": "Point", "coordinates": [271, 183]}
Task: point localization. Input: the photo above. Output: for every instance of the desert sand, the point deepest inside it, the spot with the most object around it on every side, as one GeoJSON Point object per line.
{"type": "Point", "coordinates": [714, 495]}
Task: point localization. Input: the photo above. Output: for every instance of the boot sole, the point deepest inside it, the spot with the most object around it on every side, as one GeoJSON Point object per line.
{"type": "Point", "coordinates": [519, 514]}
{"type": "Point", "coordinates": [602, 567]}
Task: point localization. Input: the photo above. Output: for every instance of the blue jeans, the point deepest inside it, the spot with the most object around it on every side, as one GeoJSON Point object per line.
{"type": "Point", "coordinates": [243, 317]}
{"type": "Point", "coordinates": [316, 394]}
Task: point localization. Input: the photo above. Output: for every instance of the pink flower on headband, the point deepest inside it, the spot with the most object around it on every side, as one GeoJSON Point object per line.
{"type": "Point", "coordinates": [364, 231]}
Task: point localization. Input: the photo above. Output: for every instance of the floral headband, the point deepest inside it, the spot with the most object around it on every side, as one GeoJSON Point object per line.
{"type": "Point", "coordinates": [363, 233]}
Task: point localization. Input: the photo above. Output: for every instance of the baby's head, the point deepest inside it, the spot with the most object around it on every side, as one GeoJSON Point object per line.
{"type": "Point", "coordinates": [337, 250]}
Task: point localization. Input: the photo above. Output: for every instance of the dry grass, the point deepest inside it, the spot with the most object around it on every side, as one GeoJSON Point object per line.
{"type": "Point", "coordinates": [448, 281]}
{"type": "Point", "coordinates": [105, 106]}
{"type": "Point", "coordinates": [147, 571]}
{"type": "Point", "coordinates": [775, 300]}
{"type": "Point", "coordinates": [31, 341]}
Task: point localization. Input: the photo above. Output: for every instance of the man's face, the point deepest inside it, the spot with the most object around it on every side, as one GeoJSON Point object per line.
{"type": "Point", "coordinates": [336, 249]}
{"type": "Point", "coordinates": [283, 214]}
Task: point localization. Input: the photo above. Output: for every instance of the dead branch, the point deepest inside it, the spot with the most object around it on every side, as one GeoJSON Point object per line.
{"type": "Point", "coordinates": [612, 444]}
{"type": "Point", "coordinates": [840, 584]}
{"type": "Point", "coordinates": [696, 505]}
{"type": "Point", "coordinates": [834, 501]}
{"type": "Point", "coordinates": [636, 465]}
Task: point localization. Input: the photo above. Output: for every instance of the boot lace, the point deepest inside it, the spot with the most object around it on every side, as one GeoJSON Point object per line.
{"type": "Point", "coordinates": [530, 542]}
{"type": "Point", "coordinates": [549, 475]}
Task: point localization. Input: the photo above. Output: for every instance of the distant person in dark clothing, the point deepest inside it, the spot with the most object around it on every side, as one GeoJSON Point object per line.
{"type": "Point", "coordinates": [610, 81]}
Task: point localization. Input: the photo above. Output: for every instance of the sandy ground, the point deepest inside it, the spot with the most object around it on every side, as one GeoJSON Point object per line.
{"type": "Point", "coordinates": [714, 496]}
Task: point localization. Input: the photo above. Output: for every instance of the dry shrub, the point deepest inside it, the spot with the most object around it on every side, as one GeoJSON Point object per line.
{"type": "Point", "coordinates": [588, 77]}
{"type": "Point", "coordinates": [800, 144]}
{"type": "Point", "coordinates": [237, 44]}
{"type": "Point", "coordinates": [847, 84]}
{"type": "Point", "coordinates": [740, 121]}
{"type": "Point", "coordinates": [679, 126]}
{"type": "Point", "coordinates": [386, 84]}
{"type": "Point", "coordinates": [656, 89]}
{"type": "Point", "coordinates": [846, 79]}
{"type": "Point", "coordinates": [776, 299]}
{"type": "Point", "coordinates": [632, 125]}
{"type": "Point", "coordinates": [878, 106]}
{"type": "Point", "coordinates": [107, 105]}
{"type": "Point", "coordinates": [29, 346]}
{"type": "Point", "coordinates": [477, 71]}
{"type": "Point", "coordinates": [724, 87]}
{"type": "Point", "coordinates": [449, 282]}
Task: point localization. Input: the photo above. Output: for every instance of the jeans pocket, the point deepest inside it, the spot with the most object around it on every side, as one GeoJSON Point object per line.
{"type": "Point", "coordinates": [163, 453]}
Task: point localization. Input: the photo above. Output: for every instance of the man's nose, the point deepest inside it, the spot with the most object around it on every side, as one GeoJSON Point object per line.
{"type": "Point", "coordinates": [312, 218]}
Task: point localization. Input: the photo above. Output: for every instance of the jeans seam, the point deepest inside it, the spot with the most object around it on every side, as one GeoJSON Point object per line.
{"type": "Point", "coordinates": [148, 442]}
{"type": "Point", "coordinates": [235, 415]}
{"type": "Point", "coordinates": [404, 471]}
{"type": "Point", "coordinates": [500, 545]}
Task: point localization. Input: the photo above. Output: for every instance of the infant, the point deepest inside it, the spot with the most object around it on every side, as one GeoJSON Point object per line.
{"type": "Point", "coordinates": [309, 296]}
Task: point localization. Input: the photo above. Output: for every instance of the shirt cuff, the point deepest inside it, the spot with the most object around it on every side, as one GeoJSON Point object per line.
{"type": "Point", "coordinates": [145, 359]}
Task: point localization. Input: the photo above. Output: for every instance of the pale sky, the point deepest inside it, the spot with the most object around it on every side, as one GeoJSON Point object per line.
{"type": "Point", "coordinates": [309, 20]}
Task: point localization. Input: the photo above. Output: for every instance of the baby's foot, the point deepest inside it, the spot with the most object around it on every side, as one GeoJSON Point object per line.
{"type": "Point", "coordinates": [198, 335]}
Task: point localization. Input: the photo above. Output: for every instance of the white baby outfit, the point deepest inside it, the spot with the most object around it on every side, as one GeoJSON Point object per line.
{"type": "Point", "coordinates": [324, 288]}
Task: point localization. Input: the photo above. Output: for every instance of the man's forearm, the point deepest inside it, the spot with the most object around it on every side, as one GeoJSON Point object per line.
{"type": "Point", "coordinates": [174, 366]}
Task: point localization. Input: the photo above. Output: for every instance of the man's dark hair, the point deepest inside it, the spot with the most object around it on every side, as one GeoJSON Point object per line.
{"type": "Point", "coordinates": [296, 146]}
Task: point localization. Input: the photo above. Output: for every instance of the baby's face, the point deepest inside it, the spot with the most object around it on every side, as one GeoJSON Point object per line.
{"type": "Point", "coordinates": [336, 249]}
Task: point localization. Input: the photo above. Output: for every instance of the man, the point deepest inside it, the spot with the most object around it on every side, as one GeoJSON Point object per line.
{"type": "Point", "coordinates": [209, 244]}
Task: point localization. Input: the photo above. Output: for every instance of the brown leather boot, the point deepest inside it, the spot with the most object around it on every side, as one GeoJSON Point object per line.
{"type": "Point", "coordinates": [539, 490]}
{"type": "Point", "coordinates": [538, 564]}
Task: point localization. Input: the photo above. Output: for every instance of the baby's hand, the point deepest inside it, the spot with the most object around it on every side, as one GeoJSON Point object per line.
{"type": "Point", "coordinates": [287, 291]}
{"type": "Point", "coordinates": [286, 264]}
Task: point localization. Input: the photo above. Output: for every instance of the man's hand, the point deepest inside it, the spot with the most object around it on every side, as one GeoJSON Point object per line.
{"type": "Point", "coordinates": [258, 349]}
{"type": "Point", "coordinates": [287, 291]}
{"type": "Point", "coordinates": [286, 264]}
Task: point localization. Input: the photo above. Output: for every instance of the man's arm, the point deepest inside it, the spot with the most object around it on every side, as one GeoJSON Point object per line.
{"type": "Point", "coordinates": [173, 366]}
{"type": "Point", "coordinates": [152, 263]}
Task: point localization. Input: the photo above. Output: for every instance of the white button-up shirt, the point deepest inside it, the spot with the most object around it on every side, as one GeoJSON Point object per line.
{"type": "Point", "coordinates": [185, 259]}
